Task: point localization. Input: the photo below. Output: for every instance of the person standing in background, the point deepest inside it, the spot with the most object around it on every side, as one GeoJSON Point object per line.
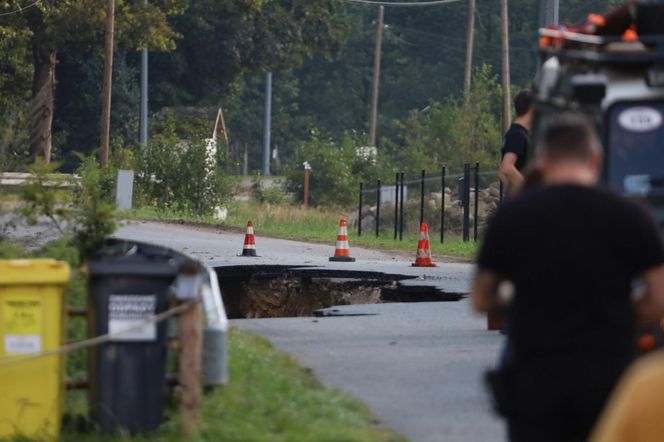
{"type": "Point", "coordinates": [516, 143]}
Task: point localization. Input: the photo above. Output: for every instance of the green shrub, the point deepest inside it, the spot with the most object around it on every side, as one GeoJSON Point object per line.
{"type": "Point", "coordinates": [83, 216]}
{"type": "Point", "coordinates": [337, 169]}
{"type": "Point", "coordinates": [11, 250]}
{"type": "Point", "coordinates": [175, 174]}
{"type": "Point", "coordinates": [94, 213]}
{"type": "Point", "coordinates": [451, 132]}
{"type": "Point", "coordinates": [46, 197]}
{"type": "Point", "coordinates": [273, 194]}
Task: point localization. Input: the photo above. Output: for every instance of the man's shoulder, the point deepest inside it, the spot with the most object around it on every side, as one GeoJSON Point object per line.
{"type": "Point", "coordinates": [596, 196]}
{"type": "Point", "coordinates": [516, 129]}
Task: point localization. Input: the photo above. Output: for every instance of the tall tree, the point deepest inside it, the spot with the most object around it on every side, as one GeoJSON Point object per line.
{"type": "Point", "coordinates": [54, 24]}
{"type": "Point", "coordinates": [225, 38]}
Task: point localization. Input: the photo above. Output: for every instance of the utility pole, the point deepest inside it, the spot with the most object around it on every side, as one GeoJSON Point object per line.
{"type": "Point", "coordinates": [470, 39]}
{"type": "Point", "coordinates": [108, 79]}
{"type": "Point", "coordinates": [549, 12]}
{"type": "Point", "coordinates": [507, 107]}
{"type": "Point", "coordinates": [376, 76]}
{"type": "Point", "coordinates": [143, 131]}
{"type": "Point", "coordinates": [266, 124]}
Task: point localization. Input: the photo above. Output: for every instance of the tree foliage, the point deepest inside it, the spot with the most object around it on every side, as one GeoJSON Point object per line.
{"type": "Point", "coordinates": [49, 26]}
{"type": "Point", "coordinates": [450, 133]}
{"type": "Point", "coordinates": [320, 51]}
{"type": "Point", "coordinates": [178, 173]}
{"type": "Point", "coordinates": [337, 168]}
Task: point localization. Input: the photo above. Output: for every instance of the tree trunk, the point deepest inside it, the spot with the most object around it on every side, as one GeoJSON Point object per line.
{"type": "Point", "coordinates": [41, 105]}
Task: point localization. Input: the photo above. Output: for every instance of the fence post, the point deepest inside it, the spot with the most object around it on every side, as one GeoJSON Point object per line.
{"type": "Point", "coordinates": [442, 205]}
{"type": "Point", "coordinates": [191, 332]}
{"type": "Point", "coordinates": [477, 200]}
{"type": "Point", "coordinates": [359, 213]}
{"type": "Point", "coordinates": [466, 202]}
{"type": "Point", "coordinates": [422, 198]}
{"type": "Point", "coordinates": [396, 206]}
{"type": "Point", "coordinates": [401, 211]}
{"type": "Point", "coordinates": [377, 208]}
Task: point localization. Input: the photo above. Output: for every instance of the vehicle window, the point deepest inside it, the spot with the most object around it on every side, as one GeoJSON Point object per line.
{"type": "Point", "coordinates": [635, 145]}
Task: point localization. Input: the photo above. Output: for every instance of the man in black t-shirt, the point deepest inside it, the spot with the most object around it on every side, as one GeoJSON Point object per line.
{"type": "Point", "coordinates": [516, 143]}
{"type": "Point", "coordinates": [567, 253]}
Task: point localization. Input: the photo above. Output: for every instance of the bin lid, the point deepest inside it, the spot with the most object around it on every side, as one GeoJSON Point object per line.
{"type": "Point", "coordinates": [132, 267]}
{"type": "Point", "coordinates": [33, 271]}
{"type": "Point", "coordinates": [133, 258]}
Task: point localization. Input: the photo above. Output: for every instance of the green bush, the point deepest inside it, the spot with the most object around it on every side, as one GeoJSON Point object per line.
{"type": "Point", "coordinates": [273, 194]}
{"type": "Point", "coordinates": [337, 169]}
{"type": "Point", "coordinates": [83, 216]}
{"type": "Point", "coordinates": [11, 250]}
{"type": "Point", "coordinates": [94, 210]}
{"type": "Point", "coordinates": [46, 197]}
{"type": "Point", "coordinates": [175, 175]}
{"type": "Point", "coordinates": [451, 132]}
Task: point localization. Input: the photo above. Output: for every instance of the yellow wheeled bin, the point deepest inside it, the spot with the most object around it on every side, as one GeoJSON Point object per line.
{"type": "Point", "coordinates": [32, 321]}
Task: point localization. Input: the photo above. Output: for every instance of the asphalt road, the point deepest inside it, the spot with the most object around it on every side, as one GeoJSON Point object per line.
{"type": "Point", "coordinates": [223, 247]}
{"type": "Point", "coordinates": [418, 366]}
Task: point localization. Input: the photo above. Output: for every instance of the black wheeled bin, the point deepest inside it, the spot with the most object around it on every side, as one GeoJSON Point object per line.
{"type": "Point", "coordinates": [129, 283]}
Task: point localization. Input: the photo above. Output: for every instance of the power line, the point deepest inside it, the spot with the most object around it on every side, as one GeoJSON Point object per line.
{"type": "Point", "coordinates": [3, 14]}
{"type": "Point", "coordinates": [452, 37]}
{"type": "Point", "coordinates": [415, 3]}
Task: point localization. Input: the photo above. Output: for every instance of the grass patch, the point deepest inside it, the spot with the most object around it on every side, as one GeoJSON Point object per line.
{"type": "Point", "coordinates": [269, 398]}
{"type": "Point", "coordinates": [296, 223]}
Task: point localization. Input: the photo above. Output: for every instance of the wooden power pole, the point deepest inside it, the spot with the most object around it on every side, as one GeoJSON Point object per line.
{"type": "Point", "coordinates": [470, 39]}
{"type": "Point", "coordinates": [507, 107]}
{"type": "Point", "coordinates": [376, 76]}
{"type": "Point", "coordinates": [108, 79]}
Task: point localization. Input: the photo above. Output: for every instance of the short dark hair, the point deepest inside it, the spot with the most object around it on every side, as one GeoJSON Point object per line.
{"type": "Point", "coordinates": [569, 136]}
{"type": "Point", "coordinates": [522, 102]}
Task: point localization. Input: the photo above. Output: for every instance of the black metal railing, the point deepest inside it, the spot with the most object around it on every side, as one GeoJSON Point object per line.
{"type": "Point", "coordinates": [405, 205]}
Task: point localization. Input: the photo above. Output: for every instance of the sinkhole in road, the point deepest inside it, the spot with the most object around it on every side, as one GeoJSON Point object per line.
{"type": "Point", "coordinates": [273, 291]}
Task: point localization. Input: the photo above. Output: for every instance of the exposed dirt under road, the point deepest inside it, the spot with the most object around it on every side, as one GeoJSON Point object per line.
{"type": "Point", "coordinates": [283, 291]}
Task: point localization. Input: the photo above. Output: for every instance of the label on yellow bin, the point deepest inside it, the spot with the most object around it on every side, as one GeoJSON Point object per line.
{"type": "Point", "coordinates": [22, 319]}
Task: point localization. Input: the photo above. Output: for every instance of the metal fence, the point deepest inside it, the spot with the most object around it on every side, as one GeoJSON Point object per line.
{"type": "Point", "coordinates": [456, 203]}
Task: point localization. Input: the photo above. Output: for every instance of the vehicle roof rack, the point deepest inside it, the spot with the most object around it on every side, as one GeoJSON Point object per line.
{"type": "Point", "coordinates": [574, 46]}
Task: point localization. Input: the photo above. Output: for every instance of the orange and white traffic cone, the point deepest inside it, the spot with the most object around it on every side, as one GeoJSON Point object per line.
{"type": "Point", "coordinates": [423, 257]}
{"type": "Point", "coordinates": [342, 250]}
{"type": "Point", "coordinates": [249, 248]}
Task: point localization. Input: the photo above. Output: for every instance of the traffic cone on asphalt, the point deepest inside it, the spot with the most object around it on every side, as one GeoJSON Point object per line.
{"type": "Point", "coordinates": [342, 250]}
{"type": "Point", "coordinates": [249, 248]}
{"type": "Point", "coordinates": [423, 257]}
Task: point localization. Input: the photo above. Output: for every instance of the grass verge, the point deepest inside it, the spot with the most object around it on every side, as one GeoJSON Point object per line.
{"type": "Point", "coordinates": [311, 225]}
{"type": "Point", "coordinates": [269, 398]}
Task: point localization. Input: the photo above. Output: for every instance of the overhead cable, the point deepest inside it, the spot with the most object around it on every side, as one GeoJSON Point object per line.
{"type": "Point", "coordinates": [20, 9]}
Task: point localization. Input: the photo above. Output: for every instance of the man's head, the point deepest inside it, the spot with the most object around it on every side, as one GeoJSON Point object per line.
{"type": "Point", "coordinates": [523, 104]}
{"type": "Point", "coordinates": [569, 151]}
